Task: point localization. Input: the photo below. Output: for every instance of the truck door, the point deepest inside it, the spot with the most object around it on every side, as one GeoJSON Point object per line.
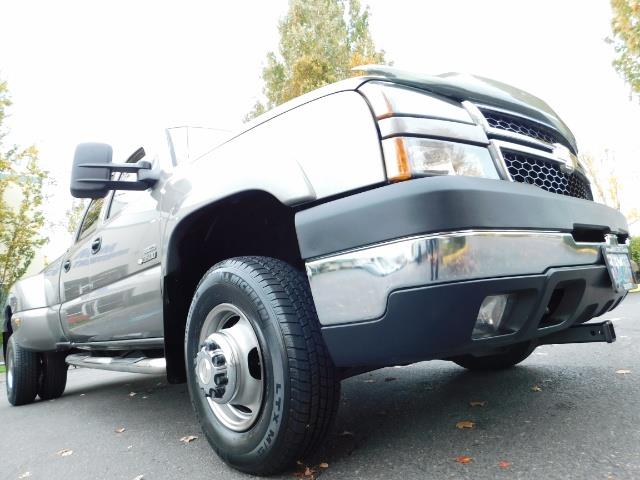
{"type": "Point", "coordinates": [111, 281]}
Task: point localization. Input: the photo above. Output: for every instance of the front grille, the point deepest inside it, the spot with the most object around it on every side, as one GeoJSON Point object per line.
{"type": "Point", "coordinates": [546, 175]}
{"type": "Point", "coordinates": [503, 121]}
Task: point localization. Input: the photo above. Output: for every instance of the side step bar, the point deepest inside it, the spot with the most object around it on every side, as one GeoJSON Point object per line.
{"type": "Point", "coordinates": [585, 333]}
{"type": "Point", "coordinates": [132, 364]}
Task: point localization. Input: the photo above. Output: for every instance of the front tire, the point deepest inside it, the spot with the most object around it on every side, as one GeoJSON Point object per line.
{"type": "Point", "coordinates": [23, 373]}
{"type": "Point", "coordinates": [500, 361]}
{"type": "Point", "coordinates": [259, 375]}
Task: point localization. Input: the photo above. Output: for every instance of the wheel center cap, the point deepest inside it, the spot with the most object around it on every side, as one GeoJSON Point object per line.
{"type": "Point", "coordinates": [216, 367]}
{"type": "Point", "coordinates": [205, 370]}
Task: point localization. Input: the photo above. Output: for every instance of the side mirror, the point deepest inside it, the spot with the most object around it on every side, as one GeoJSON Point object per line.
{"type": "Point", "coordinates": [92, 171]}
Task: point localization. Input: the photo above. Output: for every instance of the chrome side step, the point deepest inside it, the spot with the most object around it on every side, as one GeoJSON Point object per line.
{"type": "Point", "coordinates": [132, 364]}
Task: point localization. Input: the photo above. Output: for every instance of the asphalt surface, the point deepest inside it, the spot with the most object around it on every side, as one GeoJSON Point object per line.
{"type": "Point", "coordinates": [397, 423]}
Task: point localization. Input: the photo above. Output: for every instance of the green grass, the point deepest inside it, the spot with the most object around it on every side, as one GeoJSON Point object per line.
{"type": "Point", "coordinates": [2, 368]}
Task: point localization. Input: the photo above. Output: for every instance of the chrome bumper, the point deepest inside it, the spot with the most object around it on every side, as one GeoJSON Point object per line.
{"type": "Point", "coordinates": [353, 286]}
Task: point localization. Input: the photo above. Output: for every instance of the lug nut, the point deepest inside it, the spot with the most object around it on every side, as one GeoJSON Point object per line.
{"type": "Point", "coordinates": [220, 379]}
{"type": "Point", "coordinates": [218, 392]}
{"type": "Point", "coordinates": [219, 360]}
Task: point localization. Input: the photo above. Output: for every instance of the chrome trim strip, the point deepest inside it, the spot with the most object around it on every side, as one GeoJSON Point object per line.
{"type": "Point", "coordinates": [518, 137]}
{"type": "Point", "coordinates": [354, 286]}
{"type": "Point", "coordinates": [119, 364]}
{"type": "Point", "coordinates": [442, 129]}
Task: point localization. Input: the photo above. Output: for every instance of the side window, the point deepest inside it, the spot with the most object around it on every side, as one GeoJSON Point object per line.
{"type": "Point", "coordinates": [90, 221]}
{"type": "Point", "coordinates": [120, 198]}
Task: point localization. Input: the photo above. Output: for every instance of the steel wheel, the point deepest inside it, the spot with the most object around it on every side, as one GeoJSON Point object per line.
{"type": "Point", "coordinates": [228, 367]}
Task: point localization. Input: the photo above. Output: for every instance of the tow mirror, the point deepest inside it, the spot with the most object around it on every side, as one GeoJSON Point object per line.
{"type": "Point", "coordinates": [92, 171]}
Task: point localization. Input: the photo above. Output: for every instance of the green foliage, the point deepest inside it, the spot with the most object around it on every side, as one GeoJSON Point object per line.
{"type": "Point", "coordinates": [320, 42]}
{"type": "Point", "coordinates": [20, 224]}
{"type": "Point", "coordinates": [74, 215]}
{"type": "Point", "coordinates": [625, 25]}
{"type": "Point", "coordinates": [634, 249]}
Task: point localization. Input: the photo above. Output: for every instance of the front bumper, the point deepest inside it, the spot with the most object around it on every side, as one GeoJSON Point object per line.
{"type": "Point", "coordinates": [354, 286]}
{"type": "Point", "coordinates": [432, 322]}
{"type": "Point", "coordinates": [398, 274]}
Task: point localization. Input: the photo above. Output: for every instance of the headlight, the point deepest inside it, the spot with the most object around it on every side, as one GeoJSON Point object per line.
{"type": "Point", "coordinates": [410, 157]}
{"type": "Point", "coordinates": [388, 99]}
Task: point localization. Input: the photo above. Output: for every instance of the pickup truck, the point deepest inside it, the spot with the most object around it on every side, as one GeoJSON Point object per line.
{"type": "Point", "coordinates": [382, 220]}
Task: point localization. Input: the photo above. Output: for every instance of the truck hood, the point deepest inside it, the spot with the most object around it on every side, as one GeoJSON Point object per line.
{"type": "Point", "coordinates": [476, 89]}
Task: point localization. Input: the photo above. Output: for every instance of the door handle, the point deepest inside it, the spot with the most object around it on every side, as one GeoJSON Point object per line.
{"type": "Point", "coordinates": [67, 265]}
{"type": "Point", "coordinates": [95, 245]}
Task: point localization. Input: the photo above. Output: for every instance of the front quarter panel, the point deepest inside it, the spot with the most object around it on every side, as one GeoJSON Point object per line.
{"type": "Point", "coordinates": [322, 148]}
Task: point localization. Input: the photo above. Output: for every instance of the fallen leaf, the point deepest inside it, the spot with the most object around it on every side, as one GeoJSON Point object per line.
{"type": "Point", "coordinates": [306, 474]}
{"type": "Point", "coordinates": [504, 464]}
{"type": "Point", "coordinates": [465, 424]}
{"type": "Point", "coordinates": [536, 388]}
{"type": "Point", "coordinates": [25, 475]}
{"type": "Point", "coordinates": [346, 433]}
{"type": "Point", "coordinates": [463, 459]}
{"type": "Point", "coordinates": [132, 394]}
{"type": "Point", "coordinates": [623, 371]}
{"type": "Point", "coordinates": [390, 379]}
{"type": "Point", "coordinates": [324, 465]}
{"type": "Point", "coordinates": [478, 403]}
{"type": "Point", "coordinates": [65, 452]}
{"type": "Point", "coordinates": [188, 439]}
{"type": "Point", "coordinates": [120, 430]}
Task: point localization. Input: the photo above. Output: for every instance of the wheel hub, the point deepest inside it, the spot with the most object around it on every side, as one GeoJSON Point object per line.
{"type": "Point", "coordinates": [228, 367]}
{"type": "Point", "coordinates": [216, 367]}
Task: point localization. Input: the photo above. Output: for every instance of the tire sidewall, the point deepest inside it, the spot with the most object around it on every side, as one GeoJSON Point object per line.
{"type": "Point", "coordinates": [254, 446]}
{"type": "Point", "coordinates": [10, 352]}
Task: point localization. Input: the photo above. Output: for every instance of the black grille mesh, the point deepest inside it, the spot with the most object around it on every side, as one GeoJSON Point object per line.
{"type": "Point", "coordinates": [546, 175]}
{"type": "Point", "coordinates": [522, 126]}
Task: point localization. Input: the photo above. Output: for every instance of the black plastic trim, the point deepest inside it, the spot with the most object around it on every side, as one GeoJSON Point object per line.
{"type": "Point", "coordinates": [436, 322]}
{"type": "Point", "coordinates": [444, 204]}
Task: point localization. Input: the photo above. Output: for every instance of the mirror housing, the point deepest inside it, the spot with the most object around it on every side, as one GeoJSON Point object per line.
{"type": "Point", "coordinates": [92, 171]}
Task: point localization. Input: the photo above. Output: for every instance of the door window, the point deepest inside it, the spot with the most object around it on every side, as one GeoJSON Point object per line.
{"type": "Point", "coordinates": [90, 221]}
{"type": "Point", "coordinates": [121, 198]}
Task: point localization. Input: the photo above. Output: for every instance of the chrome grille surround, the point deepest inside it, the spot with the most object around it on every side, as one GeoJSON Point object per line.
{"type": "Point", "coordinates": [525, 151]}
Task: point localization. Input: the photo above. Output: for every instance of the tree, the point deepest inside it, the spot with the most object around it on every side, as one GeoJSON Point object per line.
{"type": "Point", "coordinates": [602, 173]}
{"type": "Point", "coordinates": [320, 42]}
{"type": "Point", "coordinates": [625, 26]}
{"type": "Point", "coordinates": [74, 215]}
{"type": "Point", "coordinates": [22, 179]}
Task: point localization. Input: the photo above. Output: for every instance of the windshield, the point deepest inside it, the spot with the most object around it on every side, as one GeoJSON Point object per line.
{"type": "Point", "coordinates": [189, 143]}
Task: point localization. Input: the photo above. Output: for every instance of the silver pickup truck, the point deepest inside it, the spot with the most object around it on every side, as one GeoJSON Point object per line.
{"type": "Point", "coordinates": [382, 220]}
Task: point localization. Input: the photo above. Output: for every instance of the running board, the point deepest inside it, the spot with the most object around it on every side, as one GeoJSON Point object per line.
{"type": "Point", "coordinates": [137, 364]}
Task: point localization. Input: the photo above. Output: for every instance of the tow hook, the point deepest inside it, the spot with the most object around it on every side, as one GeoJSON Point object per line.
{"type": "Point", "coordinates": [584, 333]}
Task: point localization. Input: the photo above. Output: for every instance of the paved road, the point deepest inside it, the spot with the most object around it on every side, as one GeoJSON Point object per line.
{"type": "Point", "coordinates": [583, 424]}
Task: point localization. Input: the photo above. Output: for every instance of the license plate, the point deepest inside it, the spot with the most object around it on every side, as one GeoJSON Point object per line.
{"type": "Point", "coordinates": [619, 265]}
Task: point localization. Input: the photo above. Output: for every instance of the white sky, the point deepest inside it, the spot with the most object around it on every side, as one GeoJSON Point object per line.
{"type": "Point", "coordinates": [113, 71]}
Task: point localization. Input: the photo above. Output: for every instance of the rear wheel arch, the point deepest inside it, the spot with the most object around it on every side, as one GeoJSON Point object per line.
{"type": "Point", "coordinates": [248, 223]}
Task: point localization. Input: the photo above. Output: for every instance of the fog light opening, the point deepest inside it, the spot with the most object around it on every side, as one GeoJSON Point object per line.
{"type": "Point", "coordinates": [491, 316]}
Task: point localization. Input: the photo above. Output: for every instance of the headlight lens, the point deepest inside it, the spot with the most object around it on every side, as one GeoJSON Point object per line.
{"type": "Point", "coordinates": [410, 157]}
